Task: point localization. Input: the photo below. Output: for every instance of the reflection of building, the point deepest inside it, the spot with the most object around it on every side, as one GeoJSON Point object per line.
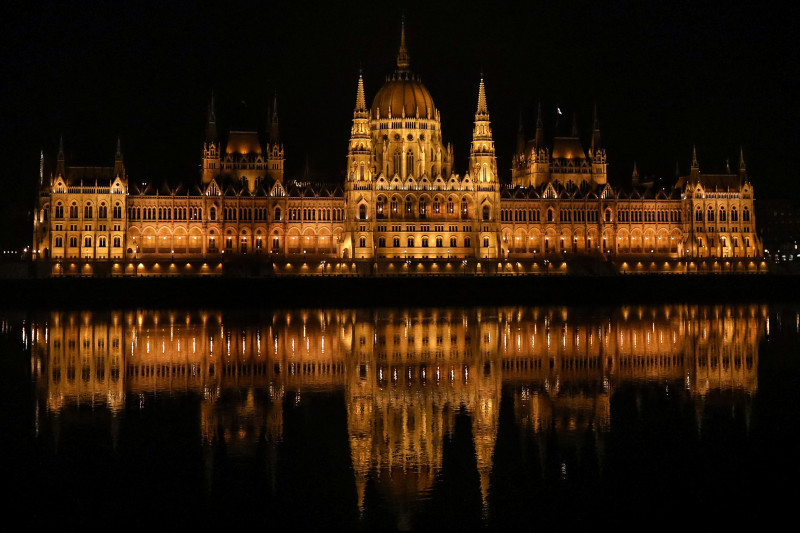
{"type": "Point", "coordinates": [405, 374]}
{"type": "Point", "coordinates": [401, 200]}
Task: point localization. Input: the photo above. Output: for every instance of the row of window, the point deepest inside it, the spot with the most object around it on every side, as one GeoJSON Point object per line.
{"type": "Point", "coordinates": [721, 215]}
{"type": "Point", "coordinates": [297, 213]}
{"type": "Point", "coordinates": [88, 211]}
{"type": "Point", "coordinates": [422, 206]}
{"type": "Point", "coordinates": [411, 242]}
{"type": "Point", "coordinates": [87, 242]}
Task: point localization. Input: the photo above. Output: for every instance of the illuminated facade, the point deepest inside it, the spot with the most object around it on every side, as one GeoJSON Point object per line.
{"type": "Point", "coordinates": [402, 208]}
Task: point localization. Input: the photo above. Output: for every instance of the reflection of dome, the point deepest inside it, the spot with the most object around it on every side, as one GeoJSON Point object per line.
{"type": "Point", "coordinates": [403, 90]}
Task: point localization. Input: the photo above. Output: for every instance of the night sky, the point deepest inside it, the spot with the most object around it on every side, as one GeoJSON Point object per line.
{"type": "Point", "coordinates": [664, 76]}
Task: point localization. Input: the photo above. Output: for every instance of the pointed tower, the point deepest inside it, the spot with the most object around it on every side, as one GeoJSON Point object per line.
{"type": "Point", "coordinates": [482, 160]}
{"type": "Point", "coordinates": [520, 136]}
{"type": "Point", "coordinates": [635, 176]}
{"type": "Point", "coordinates": [742, 166]}
{"type": "Point", "coordinates": [211, 148]}
{"type": "Point", "coordinates": [598, 153]}
{"type": "Point", "coordinates": [275, 155]}
{"type": "Point", "coordinates": [60, 164]}
{"type": "Point", "coordinates": [359, 192]}
{"type": "Point", "coordinates": [359, 154]}
{"type": "Point", "coordinates": [695, 169]}
{"type": "Point", "coordinates": [402, 54]}
{"type": "Point", "coordinates": [119, 166]}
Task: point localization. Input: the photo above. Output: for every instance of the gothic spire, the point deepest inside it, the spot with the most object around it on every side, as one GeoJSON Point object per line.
{"type": "Point", "coordinates": [211, 126]}
{"type": "Point", "coordinates": [361, 102]}
{"type": "Point", "coordinates": [539, 128]}
{"type": "Point", "coordinates": [483, 110]}
{"type": "Point", "coordinates": [635, 175]}
{"type": "Point", "coordinates": [595, 131]}
{"type": "Point", "coordinates": [694, 157]}
{"type": "Point", "coordinates": [539, 121]}
{"type": "Point", "coordinates": [402, 53]}
{"type": "Point", "coordinates": [274, 135]}
{"type": "Point", "coordinates": [520, 135]}
{"type": "Point", "coordinates": [741, 159]}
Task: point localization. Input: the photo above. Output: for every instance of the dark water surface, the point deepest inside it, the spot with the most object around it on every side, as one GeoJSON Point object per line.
{"type": "Point", "coordinates": [668, 416]}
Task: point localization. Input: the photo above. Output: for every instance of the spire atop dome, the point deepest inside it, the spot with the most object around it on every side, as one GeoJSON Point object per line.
{"type": "Point", "coordinates": [694, 157]}
{"type": "Point", "coordinates": [741, 159]}
{"type": "Point", "coordinates": [402, 53]}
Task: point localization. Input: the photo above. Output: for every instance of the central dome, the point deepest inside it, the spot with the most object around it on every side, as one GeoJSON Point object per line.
{"type": "Point", "coordinates": [403, 91]}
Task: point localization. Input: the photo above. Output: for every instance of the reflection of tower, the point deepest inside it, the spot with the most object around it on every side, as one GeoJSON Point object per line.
{"type": "Point", "coordinates": [403, 391]}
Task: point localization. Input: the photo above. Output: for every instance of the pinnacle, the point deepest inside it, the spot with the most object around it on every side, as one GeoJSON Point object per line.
{"type": "Point", "coordinates": [482, 107]}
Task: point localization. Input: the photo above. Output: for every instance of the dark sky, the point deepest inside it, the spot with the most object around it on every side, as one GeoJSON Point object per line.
{"type": "Point", "coordinates": [665, 76]}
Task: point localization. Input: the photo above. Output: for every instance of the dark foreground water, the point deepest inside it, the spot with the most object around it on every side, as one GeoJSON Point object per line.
{"type": "Point", "coordinates": [673, 416]}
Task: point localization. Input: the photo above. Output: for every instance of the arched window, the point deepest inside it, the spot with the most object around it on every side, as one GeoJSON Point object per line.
{"type": "Point", "coordinates": [698, 216]}
{"type": "Point", "coordinates": [450, 206]}
{"type": "Point", "coordinates": [453, 242]}
{"type": "Point", "coordinates": [409, 206]}
{"type": "Point", "coordinates": [362, 242]}
{"type": "Point", "coordinates": [101, 242]}
{"type": "Point", "coordinates": [379, 206]}
{"type": "Point", "coordinates": [607, 216]}
{"type": "Point", "coordinates": [394, 204]}
{"type": "Point", "coordinates": [102, 211]}
{"type": "Point", "coordinates": [117, 211]}
{"type": "Point", "coordinates": [382, 242]}
{"type": "Point", "coordinates": [464, 207]}
{"type": "Point", "coordinates": [87, 242]}
{"type": "Point", "coordinates": [361, 172]}
{"type": "Point", "coordinates": [549, 215]}
{"type": "Point", "coordinates": [486, 212]}
{"type": "Point", "coordinates": [59, 242]}
{"type": "Point", "coordinates": [424, 242]}
{"type": "Point", "coordinates": [439, 242]}
{"type": "Point", "coordinates": [87, 211]}
{"type": "Point", "coordinates": [410, 162]}
{"type": "Point", "coordinates": [73, 210]}
{"type": "Point", "coordinates": [710, 215]}
{"type": "Point", "coordinates": [73, 242]}
{"type": "Point", "coordinates": [117, 242]}
{"type": "Point", "coordinates": [466, 242]}
{"type": "Point", "coordinates": [396, 242]}
{"type": "Point", "coordinates": [397, 162]}
{"type": "Point", "coordinates": [411, 242]}
{"type": "Point", "coordinates": [486, 242]}
{"type": "Point", "coordinates": [722, 214]}
{"type": "Point", "coordinates": [436, 205]}
{"type": "Point", "coordinates": [734, 215]}
{"type": "Point", "coordinates": [59, 211]}
{"type": "Point", "coordinates": [362, 212]}
{"type": "Point", "coordinates": [745, 215]}
{"type": "Point", "coordinates": [277, 213]}
{"type": "Point", "coordinates": [422, 207]}
{"type": "Point", "coordinates": [212, 215]}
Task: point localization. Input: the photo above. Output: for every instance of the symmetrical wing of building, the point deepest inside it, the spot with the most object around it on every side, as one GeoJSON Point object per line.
{"type": "Point", "coordinates": [402, 208]}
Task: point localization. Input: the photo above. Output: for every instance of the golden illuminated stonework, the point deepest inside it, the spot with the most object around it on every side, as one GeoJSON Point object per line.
{"type": "Point", "coordinates": [402, 208]}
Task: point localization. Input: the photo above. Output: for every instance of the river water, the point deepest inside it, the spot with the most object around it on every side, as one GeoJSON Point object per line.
{"type": "Point", "coordinates": [424, 418]}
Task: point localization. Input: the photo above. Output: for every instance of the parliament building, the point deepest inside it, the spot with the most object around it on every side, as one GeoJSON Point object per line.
{"type": "Point", "coordinates": [402, 209]}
